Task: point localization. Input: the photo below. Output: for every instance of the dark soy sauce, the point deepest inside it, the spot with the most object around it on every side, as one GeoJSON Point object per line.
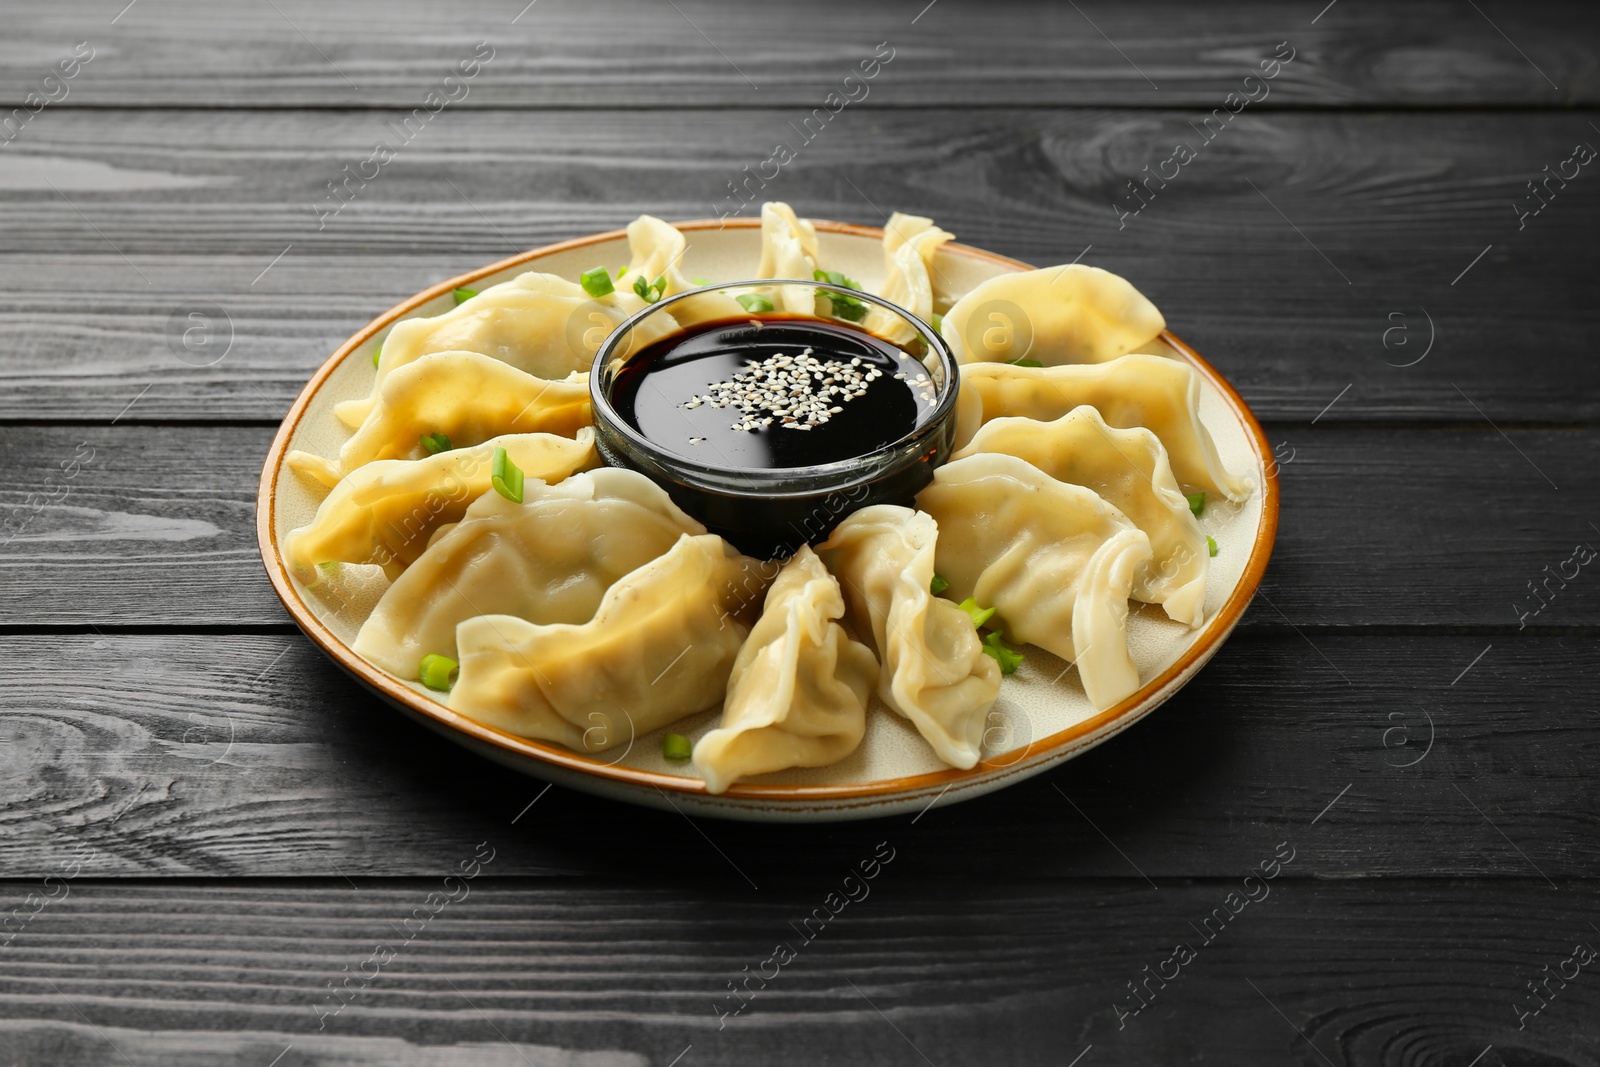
{"type": "Point", "coordinates": [669, 390]}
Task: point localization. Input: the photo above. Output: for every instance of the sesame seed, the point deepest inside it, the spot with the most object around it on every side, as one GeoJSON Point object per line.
{"type": "Point", "coordinates": [795, 389]}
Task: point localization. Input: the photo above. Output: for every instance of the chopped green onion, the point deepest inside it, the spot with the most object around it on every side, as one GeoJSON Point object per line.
{"type": "Point", "coordinates": [994, 646]}
{"type": "Point", "coordinates": [463, 295]}
{"type": "Point", "coordinates": [938, 585]}
{"type": "Point", "coordinates": [844, 307]}
{"type": "Point", "coordinates": [979, 615]}
{"type": "Point", "coordinates": [597, 282]}
{"type": "Point", "coordinates": [754, 303]}
{"type": "Point", "coordinates": [650, 292]}
{"type": "Point", "coordinates": [676, 747]}
{"type": "Point", "coordinates": [1024, 363]}
{"type": "Point", "coordinates": [701, 281]}
{"type": "Point", "coordinates": [329, 566]}
{"type": "Point", "coordinates": [833, 277]}
{"type": "Point", "coordinates": [937, 323]}
{"type": "Point", "coordinates": [434, 443]}
{"type": "Point", "coordinates": [506, 477]}
{"type": "Point", "coordinates": [1197, 502]}
{"type": "Point", "coordinates": [1211, 543]}
{"type": "Point", "coordinates": [376, 352]}
{"type": "Point", "coordinates": [438, 672]}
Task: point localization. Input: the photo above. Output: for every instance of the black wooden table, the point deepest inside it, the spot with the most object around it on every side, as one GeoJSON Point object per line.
{"type": "Point", "coordinates": [218, 849]}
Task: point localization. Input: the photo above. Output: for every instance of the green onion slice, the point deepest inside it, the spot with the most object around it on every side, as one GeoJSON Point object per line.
{"type": "Point", "coordinates": [650, 292]}
{"type": "Point", "coordinates": [937, 322]}
{"type": "Point", "coordinates": [676, 747]}
{"type": "Point", "coordinates": [979, 615]}
{"type": "Point", "coordinates": [844, 307]}
{"type": "Point", "coordinates": [438, 672]}
{"type": "Point", "coordinates": [597, 282]}
{"type": "Point", "coordinates": [1024, 363]}
{"type": "Point", "coordinates": [833, 277]}
{"type": "Point", "coordinates": [434, 443]}
{"type": "Point", "coordinates": [1211, 543]}
{"type": "Point", "coordinates": [754, 303]}
{"type": "Point", "coordinates": [938, 585]}
{"type": "Point", "coordinates": [994, 646]}
{"type": "Point", "coordinates": [463, 295]}
{"type": "Point", "coordinates": [506, 477]}
{"type": "Point", "coordinates": [376, 352]}
{"type": "Point", "coordinates": [1197, 502]}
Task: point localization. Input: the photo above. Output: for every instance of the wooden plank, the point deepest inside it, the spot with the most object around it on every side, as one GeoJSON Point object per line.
{"type": "Point", "coordinates": [252, 756]}
{"type": "Point", "coordinates": [950, 972]}
{"type": "Point", "coordinates": [303, 54]}
{"type": "Point", "coordinates": [92, 271]}
{"type": "Point", "coordinates": [1379, 526]}
{"type": "Point", "coordinates": [83, 336]}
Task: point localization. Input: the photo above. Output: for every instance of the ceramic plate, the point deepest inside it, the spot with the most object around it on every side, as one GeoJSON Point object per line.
{"type": "Point", "coordinates": [1042, 716]}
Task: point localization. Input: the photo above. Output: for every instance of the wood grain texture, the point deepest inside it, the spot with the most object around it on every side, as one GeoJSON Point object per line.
{"type": "Point", "coordinates": [1379, 526]}
{"type": "Point", "coordinates": [698, 53]}
{"type": "Point", "coordinates": [973, 972]}
{"type": "Point", "coordinates": [251, 824]}
{"type": "Point", "coordinates": [134, 233]}
{"type": "Point", "coordinates": [250, 756]}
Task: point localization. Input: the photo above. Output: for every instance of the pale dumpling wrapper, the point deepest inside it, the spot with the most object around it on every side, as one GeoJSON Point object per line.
{"type": "Point", "coordinates": [798, 693]}
{"type": "Point", "coordinates": [385, 512]}
{"type": "Point", "coordinates": [1067, 314]}
{"type": "Point", "coordinates": [657, 249]}
{"type": "Point", "coordinates": [1129, 469]}
{"type": "Point", "coordinates": [660, 646]}
{"type": "Point", "coordinates": [788, 250]}
{"type": "Point", "coordinates": [910, 243]}
{"type": "Point", "coordinates": [1054, 560]}
{"type": "Point", "coordinates": [468, 397]}
{"type": "Point", "coordinates": [934, 670]}
{"type": "Point", "coordinates": [539, 323]}
{"type": "Point", "coordinates": [549, 559]}
{"type": "Point", "coordinates": [1155, 392]}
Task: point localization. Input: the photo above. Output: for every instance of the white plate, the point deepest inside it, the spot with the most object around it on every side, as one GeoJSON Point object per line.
{"type": "Point", "coordinates": [1042, 716]}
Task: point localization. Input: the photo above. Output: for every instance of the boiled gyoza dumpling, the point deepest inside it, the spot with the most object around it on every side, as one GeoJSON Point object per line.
{"type": "Point", "coordinates": [466, 396]}
{"type": "Point", "coordinates": [657, 249]}
{"type": "Point", "coordinates": [538, 323]}
{"type": "Point", "coordinates": [934, 672]}
{"type": "Point", "coordinates": [909, 245]}
{"type": "Point", "coordinates": [660, 646]}
{"type": "Point", "coordinates": [385, 512]}
{"type": "Point", "coordinates": [778, 220]}
{"type": "Point", "coordinates": [788, 250]}
{"type": "Point", "coordinates": [1054, 560]}
{"type": "Point", "coordinates": [1160, 394]}
{"type": "Point", "coordinates": [798, 693]}
{"type": "Point", "coordinates": [549, 559]}
{"type": "Point", "coordinates": [1129, 469]}
{"type": "Point", "coordinates": [1067, 314]}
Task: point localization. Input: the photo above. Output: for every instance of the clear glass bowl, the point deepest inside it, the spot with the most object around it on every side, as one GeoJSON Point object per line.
{"type": "Point", "coordinates": [770, 512]}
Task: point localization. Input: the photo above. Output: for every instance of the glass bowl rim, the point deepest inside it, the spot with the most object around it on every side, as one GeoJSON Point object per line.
{"type": "Point", "coordinates": [765, 479]}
